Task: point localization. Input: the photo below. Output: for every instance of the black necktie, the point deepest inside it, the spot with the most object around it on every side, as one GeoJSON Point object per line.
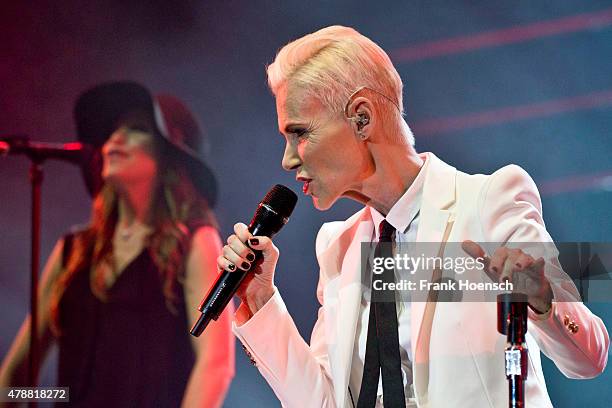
{"type": "Point", "coordinates": [382, 349]}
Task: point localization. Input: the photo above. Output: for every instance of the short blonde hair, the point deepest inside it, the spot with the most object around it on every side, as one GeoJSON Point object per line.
{"type": "Point", "coordinates": [334, 62]}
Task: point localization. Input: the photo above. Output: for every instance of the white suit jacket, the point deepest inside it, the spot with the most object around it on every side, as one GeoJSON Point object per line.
{"type": "Point", "coordinates": [458, 358]}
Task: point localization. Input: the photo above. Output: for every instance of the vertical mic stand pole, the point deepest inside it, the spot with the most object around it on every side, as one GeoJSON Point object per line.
{"type": "Point", "coordinates": [512, 321]}
{"type": "Point", "coordinates": [20, 144]}
{"type": "Point", "coordinates": [36, 178]}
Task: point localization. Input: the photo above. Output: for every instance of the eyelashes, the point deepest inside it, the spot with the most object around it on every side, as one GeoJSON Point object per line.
{"type": "Point", "coordinates": [301, 133]}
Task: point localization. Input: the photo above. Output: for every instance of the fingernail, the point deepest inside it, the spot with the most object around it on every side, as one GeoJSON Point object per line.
{"type": "Point", "coordinates": [246, 265]}
{"type": "Point", "coordinates": [254, 241]}
{"type": "Point", "coordinates": [231, 267]}
{"type": "Point", "coordinates": [250, 257]}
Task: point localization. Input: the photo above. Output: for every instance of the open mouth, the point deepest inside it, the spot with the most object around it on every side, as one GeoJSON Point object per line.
{"type": "Point", "coordinates": [306, 185]}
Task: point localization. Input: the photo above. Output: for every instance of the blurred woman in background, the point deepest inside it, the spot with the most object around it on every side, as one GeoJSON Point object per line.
{"type": "Point", "coordinates": [119, 296]}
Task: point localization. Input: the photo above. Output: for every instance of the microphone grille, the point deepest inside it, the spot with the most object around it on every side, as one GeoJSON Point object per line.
{"type": "Point", "coordinates": [281, 199]}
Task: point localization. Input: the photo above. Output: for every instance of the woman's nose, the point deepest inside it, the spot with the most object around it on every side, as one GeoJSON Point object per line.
{"type": "Point", "coordinates": [118, 137]}
{"type": "Point", "coordinates": [291, 159]}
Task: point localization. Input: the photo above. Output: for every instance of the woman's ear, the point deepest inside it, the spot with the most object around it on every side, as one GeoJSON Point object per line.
{"type": "Point", "coordinates": [360, 113]}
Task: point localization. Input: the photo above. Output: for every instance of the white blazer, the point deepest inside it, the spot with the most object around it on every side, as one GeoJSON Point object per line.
{"type": "Point", "coordinates": [457, 351]}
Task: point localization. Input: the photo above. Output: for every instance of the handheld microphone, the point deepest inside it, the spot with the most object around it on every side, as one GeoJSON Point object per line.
{"type": "Point", "coordinates": [73, 152]}
{"type": "Point", "coordinates": [271, 215]}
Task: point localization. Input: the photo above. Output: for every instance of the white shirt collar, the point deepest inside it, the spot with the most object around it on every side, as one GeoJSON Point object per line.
{"type": "Point", "coordinates": [406, 208]}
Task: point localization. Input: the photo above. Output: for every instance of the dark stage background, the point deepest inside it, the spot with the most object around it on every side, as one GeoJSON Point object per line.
{"type": "Point", "coordinates": [486, 84]}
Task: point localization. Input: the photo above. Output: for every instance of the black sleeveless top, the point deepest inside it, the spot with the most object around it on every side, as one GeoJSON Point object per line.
{"type": "Point", "coordinates": [128, 351]}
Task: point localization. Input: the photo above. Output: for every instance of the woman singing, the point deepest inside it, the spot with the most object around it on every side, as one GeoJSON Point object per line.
{"type": "Point", "coordinates": [340, 112]}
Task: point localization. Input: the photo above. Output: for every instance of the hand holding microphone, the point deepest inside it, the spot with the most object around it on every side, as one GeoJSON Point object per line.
{"type": "Point", "coordinates": [238, 260]}
{"type": "Point", "coordinates": [258, 254]}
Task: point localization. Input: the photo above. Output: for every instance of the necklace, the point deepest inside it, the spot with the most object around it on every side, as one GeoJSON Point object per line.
{"type": "Point", "coordinates": [125, 233]}
{"type": "Point", "coordinates": [136, 229]}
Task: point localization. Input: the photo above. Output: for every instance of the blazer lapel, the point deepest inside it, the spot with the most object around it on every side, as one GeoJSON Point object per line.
{"type": "Point", "coordinates": [349, 298]}
{"type": "Point", "coordinates": [344, 255]}
{"type": "Point", "coordinates": [434, 229]}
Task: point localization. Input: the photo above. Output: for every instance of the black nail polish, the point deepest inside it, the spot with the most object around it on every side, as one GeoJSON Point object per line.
{"type": "Point", "coordinates": [246, 265]}
{"type": "Point", "coordinates": [250, 257]}
{"type": "Point", "coordinates": [254, 241]}
{"type": "Point", "coordinates": [231, 267]}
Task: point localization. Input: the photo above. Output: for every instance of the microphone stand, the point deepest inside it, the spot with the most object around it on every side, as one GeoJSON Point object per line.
{"type": "Point", "coordinates": [512, 321]}
{"type": "Point", "coordinates": [38, 152]}
{"type": "Point", "coordinates": [36, 178]}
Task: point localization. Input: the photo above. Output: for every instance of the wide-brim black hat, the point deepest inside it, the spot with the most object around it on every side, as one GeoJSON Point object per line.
{"type": "Point", "coordinates": [98, 110]}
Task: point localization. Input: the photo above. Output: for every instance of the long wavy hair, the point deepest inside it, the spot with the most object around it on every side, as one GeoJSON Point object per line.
{"type": "Point", "coordinates": [176, 210]}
